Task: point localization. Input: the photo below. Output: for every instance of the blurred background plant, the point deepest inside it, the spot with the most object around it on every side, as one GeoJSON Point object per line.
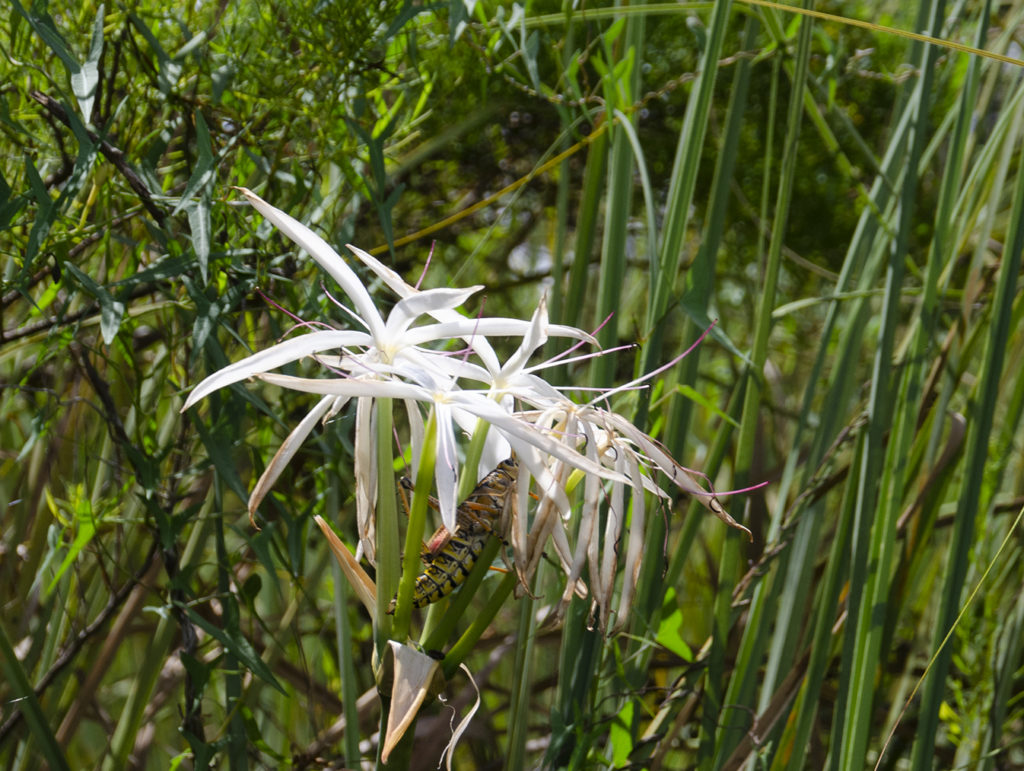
{"type": "Point", "coordinates": [845, 199]}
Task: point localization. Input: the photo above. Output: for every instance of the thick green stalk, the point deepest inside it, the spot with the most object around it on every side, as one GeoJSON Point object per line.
{"type": "Point", "coordinates": [388, 541]}
{"type": "Point", "coordinates": [436, 635]}
{"type": "Point", "coordinates": [465, 644]}
{"type": "Point", "coordinates": [414, 532]}
{"type": "Point", "coordinates": [520, 711]}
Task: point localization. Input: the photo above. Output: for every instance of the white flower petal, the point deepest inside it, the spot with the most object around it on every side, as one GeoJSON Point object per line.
{"type": "Point", "coordinates": [416, 675]}
{"type": "Point", "coordinates": [391, 279]}
{"type": "Point", "coordinates": [408, 309]}
{"type": "Point", "coordinates": [417, 434]}
{"type": "Point", "coordinates": [489, 327]}
{"type": "Point", "coordinates": [535, 337]}
{"type": "Point", "coordinates": [401, 288]}
{"type": "Point", "coordinates": [365, 471]}
{"type": "Point", "coordinates": [288, 449]}
{"type": "Point", "coordinates": [274, 357]}
{"type": "Point", "coordinates": [609, 547]}
{"type": "Point", "coordinates": [446, 467]}
{"type": "Point", "coordinates": [634, 549]}
{"type": "Point", "coordinates": [384, 389]}
{"type": "Point", "coordinates": [464, 723]}
{"type": "Point", "coordinates": [519, 431]}
{"type": "Point", "coordinates": [327, 258]}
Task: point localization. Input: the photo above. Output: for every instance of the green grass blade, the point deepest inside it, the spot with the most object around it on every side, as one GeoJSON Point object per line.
{"type": "Point", "coordinates": [22, 694]}
{"type": "Point", "coordinates": [986, 400]}
{"type": "Point", "coordinates": [733, 722]}
{"type": "Point", "coordinates": [892, 416]}
{"type": "Point", "coordinates": [621, 85]}
{"type": "Point", "coordinates": [686, 164]}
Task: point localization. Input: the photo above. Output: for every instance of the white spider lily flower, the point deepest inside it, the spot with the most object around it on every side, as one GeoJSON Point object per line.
{"type": "Point", "coordinates": [389, 349]}
{"type": "Point", "coordinates": [408, 356]}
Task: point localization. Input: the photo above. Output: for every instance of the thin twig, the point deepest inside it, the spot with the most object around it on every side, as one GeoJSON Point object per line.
{"type": "Point", "coordinates": [112, 154]}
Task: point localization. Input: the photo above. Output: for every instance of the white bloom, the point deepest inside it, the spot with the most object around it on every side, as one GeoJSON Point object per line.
{"type": "Point", "coordinates": [386, 358]}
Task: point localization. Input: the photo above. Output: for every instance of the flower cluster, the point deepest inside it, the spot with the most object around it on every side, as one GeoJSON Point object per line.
{"type": "Point", "coordinates": [408, 357]}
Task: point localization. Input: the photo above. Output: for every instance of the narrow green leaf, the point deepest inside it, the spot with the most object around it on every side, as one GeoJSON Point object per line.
{"type": "Point", "coordinates": [239, 647]}
{"type": "Point", "coordinates": [111, 309]}
{"type": "Point", "coordinates": [45, 28]}
{"type": "Point", "coordinates": [202, 177]}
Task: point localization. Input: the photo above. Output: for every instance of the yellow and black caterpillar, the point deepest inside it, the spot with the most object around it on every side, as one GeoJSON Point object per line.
{"type": "Point", "coordinates": [450, 557]}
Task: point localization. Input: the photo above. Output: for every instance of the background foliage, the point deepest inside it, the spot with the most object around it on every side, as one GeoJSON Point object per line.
{"type": "Point", "coordinates": [845, 200]}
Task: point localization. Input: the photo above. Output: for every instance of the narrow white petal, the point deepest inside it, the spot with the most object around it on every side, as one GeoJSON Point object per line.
{"type": "Point", "coordinates": [516, 429]}
{"type": "Point", "coordinates": [634, 549]}
{"type": "Point", "coordinates": [535, 336]}
{"type": "Point", "coordinates": [547, 521]}
{"type": "Point", "coordinates": [489, 327]}
{"type": "Point", "coordinates": [517, 532]}
{"type": "Point", "coordinates": [348, 386]}
{"type": "Point", "coordinates": [579, 557]}
{"type": "Point", "coordinates": [610, 544]}
{"type": "Point", "coordinates": [446, 473]}
{"type": "Point", "coordinates": [679, 475]}
{"type": "Point", "coordinates": [365, 471]}
{"type": "Point", "coordinates": [496, 447]}
{"type": "Point", "coordinates": [464, 723]}
{"type": "Point", "coordinates": [274, 357]}
{"type": "Point", "coordinates": [391, 279]}
{"type": "Point", "coordinates": [400, 287]}
{"type": "Point", "coordinates": [327, 258]}
{"type": "Point", "coordinates": [408, 309]}
{"type": "Point", "coordinates": [415, 676]}
{"type": "Point", "coordinates": [288, 449]}
{"type": "Point", "coordinates": [417, 434]}
{"type": "Point", "coordinates": [561, 543]}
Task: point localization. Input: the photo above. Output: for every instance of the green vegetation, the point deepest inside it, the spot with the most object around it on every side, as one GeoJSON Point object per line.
{"type": "Point", "coordinates": [840, 203]}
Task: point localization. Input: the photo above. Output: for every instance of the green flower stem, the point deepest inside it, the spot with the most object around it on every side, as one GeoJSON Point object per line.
{"type": "Point", "coordinates": [387, 527]}
{"type": "Point", "coordinates": [522, 676]}
{"type": "Point", "coordinates": [414, 533]}
{"type": "Point", "coordinates": [464, 645]}
{"type": "Point", "coordinates": [434, 638]}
